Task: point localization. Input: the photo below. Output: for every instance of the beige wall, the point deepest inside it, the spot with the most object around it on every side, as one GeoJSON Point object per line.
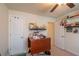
{"type": "Point", "coordinates": [3, 29]}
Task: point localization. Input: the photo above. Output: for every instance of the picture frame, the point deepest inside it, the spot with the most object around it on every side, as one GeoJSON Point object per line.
{"type": "Point", "coordinates": [69, 29]}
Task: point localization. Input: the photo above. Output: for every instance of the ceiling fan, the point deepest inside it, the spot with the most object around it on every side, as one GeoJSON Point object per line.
{"type": "Point", "coordinates": [70, 5]}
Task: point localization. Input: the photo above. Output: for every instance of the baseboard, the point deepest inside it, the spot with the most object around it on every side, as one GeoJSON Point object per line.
{"type": "Point", "coordinates": [19, 54]}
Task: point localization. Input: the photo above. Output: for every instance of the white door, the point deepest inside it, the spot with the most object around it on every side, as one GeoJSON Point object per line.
{"type": "Point", "coordinates": [16, 35]}
{"type": "Point", "coordinates": [59, 35]}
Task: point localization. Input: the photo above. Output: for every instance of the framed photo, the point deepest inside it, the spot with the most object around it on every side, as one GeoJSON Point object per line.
{"type": "Point", "coordinates": [69, 29]}
{"type": "Point", "coordinates": [32, 25]}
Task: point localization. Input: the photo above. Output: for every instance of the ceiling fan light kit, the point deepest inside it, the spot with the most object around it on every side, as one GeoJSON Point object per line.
{"type": "Point", "coordinates": [70, 5]}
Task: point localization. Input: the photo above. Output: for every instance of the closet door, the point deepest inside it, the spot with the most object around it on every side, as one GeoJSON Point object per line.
{"type": "Point", "coordinates": [72, 42]}
{"type": "Point", "coordinates": [59, 35]}
{"type": "Point", "coordinates": [16, 35]}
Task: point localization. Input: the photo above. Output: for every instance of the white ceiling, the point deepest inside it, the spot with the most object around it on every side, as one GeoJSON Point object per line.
{"type": "Point", "coordinates": [42, 8]}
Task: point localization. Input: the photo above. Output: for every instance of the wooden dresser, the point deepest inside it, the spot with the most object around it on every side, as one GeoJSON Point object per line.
{"type": "Point", "coordinates": [39, 45]}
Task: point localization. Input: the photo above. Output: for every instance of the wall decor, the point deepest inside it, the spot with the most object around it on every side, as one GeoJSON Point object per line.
{"type": "Point", "coordinates": [69, 29]}
{"type": "Point", "coordinates": [70, 24]}
{"type": "Point", "coordinates": [34, 26]}
{"type": "Point", "coordinates": [75, 30]}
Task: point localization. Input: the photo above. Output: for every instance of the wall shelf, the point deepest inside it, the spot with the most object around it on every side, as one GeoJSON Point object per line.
{"type": "Point", "coordinates": [37, 29]}
{"type": "Point", "coordinates": [71, 26]}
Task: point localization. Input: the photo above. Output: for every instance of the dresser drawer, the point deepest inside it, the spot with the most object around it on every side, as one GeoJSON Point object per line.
{"type": "Point", "coordinates": [40, 45]}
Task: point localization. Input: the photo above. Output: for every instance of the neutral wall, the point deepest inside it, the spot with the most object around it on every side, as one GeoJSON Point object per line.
{"type": "Point", "coordinates": [69, 40]}
{"type": "Point", "coordinates": [3, 29]}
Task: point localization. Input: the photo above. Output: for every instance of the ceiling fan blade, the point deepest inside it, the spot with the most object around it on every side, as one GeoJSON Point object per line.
{"type": "Point", "coordinates": [71, 5]}
{"type": "Point", "coordinates": [54, 8]}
